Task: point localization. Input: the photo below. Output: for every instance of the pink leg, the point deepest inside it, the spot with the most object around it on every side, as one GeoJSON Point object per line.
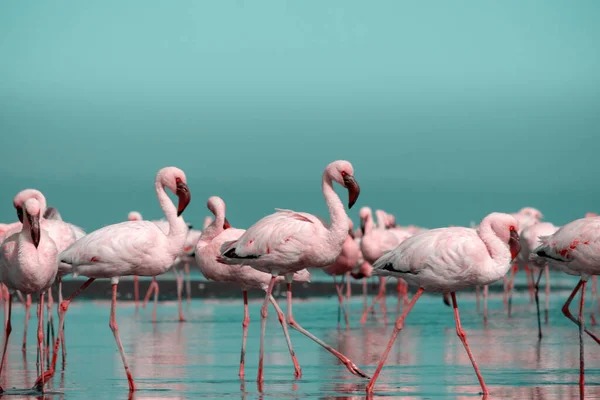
{"type": "Point", "coordinates": [64, 306]}
{"type": "Point", "coordinates": [349, 364]}
{"type": "Point", "coordinates": [61, 328]}
{"type": "Point", "coordinates": [179, 279]}
{"type": "Point", "coordinates": [406, 299]}
{"type": "Point", "coordinates": [380, 295]}
{"type": "Point", "coordinates": [505, 291]}
{"type": "Point", "coordinates": [594, 293]}
{"type": "Point", "coordinates": [364, 284]}
{"type": "Point", "coordinates": [136, 290]}
{"type": "Point", "coordinates": [581, 327]}
{"type": "Point", "coordinates": [155, 300]}
{"type": "Point", "coordinates": [148, 293]}
{"type": "Point", "coordinates": [7, 330]}
{"type": "Point", "coordinates": [264, 313]}
{"type": "Point", "coordinates": [463, 337]}
{"type": "Point", "coordinates": [397, 328]}
{"type": "Point", "coordinates": [485, 302]}
{"type": "Point", "coordinates": [115, 329]}
{"type": "Point", "coordinates": [49, 324]}
{"type": "Point", "coordinates": [547, 272]}
{"type": "Point", "coordinates": [27, 304]}
{"type": "Point", "coordinates": [382, 299]}
{"type": "Point", "coordinates": [399, 289]}
{"type": "Point", "coordinates": [477, 297]}
{"type": "Point", "coordinates": [245, 324]}
{"type": "Point", "coordinates": [510, 288]}
{"type": "Point", "coordinates": [530, 283]}
{"type": "Point", "coordinates": [188, 282]}
{"type": "Point", "coordinates": [567, 312]}
{"type": "Point", "coordinates": [339, 289]}
{"type": "Point", "coordinates": [40, 337]}
{"type": "Point", "coordinates": [281, 316]}
{"type": "Point", "coordinates": [348, 293]}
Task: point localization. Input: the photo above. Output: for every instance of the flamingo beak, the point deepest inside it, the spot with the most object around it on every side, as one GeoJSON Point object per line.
{"type": "Point", "coordinates": [20, 213]}
{"type": "Point", "coordinates": [183, 193]}
{"type": "Point", "coordinates": [353, 189]}
{"type": "Point", "coordinates": [226, 224]}
{"type": "Point", "coordinates": [34, 227]}
{"type": "Point", "coordinates": [514, 243]}
{"type": "Point", "coordinates": [362, 225]}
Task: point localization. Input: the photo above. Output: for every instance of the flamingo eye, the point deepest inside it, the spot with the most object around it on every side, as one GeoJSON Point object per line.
{"type": "Point", "coordinates": [512, 228]}
{"type": "Point", "coordinates": [177, 180]}
{"type": "Point", "coordinates": [344, 173]}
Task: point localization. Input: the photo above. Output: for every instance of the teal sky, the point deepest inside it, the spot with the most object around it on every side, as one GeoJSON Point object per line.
{"type": "Point", "coordinates": [448, 110]}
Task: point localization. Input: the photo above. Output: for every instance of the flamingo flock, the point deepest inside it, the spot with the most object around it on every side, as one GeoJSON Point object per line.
{"type": "Point", "coordinates": [40, 249]}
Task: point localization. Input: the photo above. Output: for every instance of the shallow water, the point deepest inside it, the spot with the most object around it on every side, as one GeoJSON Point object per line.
{"type": "Point", "coordinates": [199, 358]}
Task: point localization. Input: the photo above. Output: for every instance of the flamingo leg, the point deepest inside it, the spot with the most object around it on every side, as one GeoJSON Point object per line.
{"type": "Point", "coordinates": [380, 295]}
{"type": "Point", "coordinates": [245, 324]}
{"type": "Point", "coordinates": [264, 313]}
{"type": "Point", "coordinates": [40, 337]}
{"type": "Point", "coordinates": [485, 302]}
{"type": "Point", "coordinates": [530, 283]}
{"type": "Point", "coordinates": [115, 329]}
{"type": "Point", "coordinates": [63, 307]}
{"type": "Point", "coordinates": [339, 310]}
{"type": "Point", "coordinates": [399, 289]}
{"type": "Point", "coordinates": [348, 292]}
{"type": "Point", "coordinates": [27, 304]}
{"type": "Point", "coordinates": [581, 328]}
{"type": "Point", "coordinates": [477, 298]}
{"type": "Point", "coordinates": [382, 299]}
{"type": "Point", "coordinates": [547, 272]}
{"type": "Point", "coordinates": [505, 291]}
{"type": "Point", "coordinates": [339, 289]}
{"type": "Point", "coordinates": [364, 285]}
{"type": "Point", "coordinates": [281, 316]}
{"type": "Point", "coordinates": [594, 293]}
{"type": "Point", "coordinates": [397, 328]}
{"type": "Point", "coordinates": [155, 299]}
{"type": "Point", "coordinates": [349, 364]}
{"type": "Point", "coordinates": [136, 290]}
{"type": "Point", "coordinates": [567, 312]}
{"type": "Point", "coordinates": [463, 338]}
{"type": "Point", "coordinates": [148, 293]}
{"type": "Point", "coordinates": [406, 299]}
{"type": "Point", "coordinates": [7, 330]}
{"type": "Point", "coordinates": [49, 325]}
{"type": "Point", "coordinates": [188, 282]}
{"type": "Point", "coordinates": [510, 288]}
{"type": "Point", "coordinates": [537, 302]}
{"type": "Point", "coordinates": [61, 326]}
{"type": "Point", "coordinates": [179, 280]}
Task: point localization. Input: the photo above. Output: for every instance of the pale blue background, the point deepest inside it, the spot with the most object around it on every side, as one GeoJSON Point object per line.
{"type": "Point", "coordinates": [448, 110]}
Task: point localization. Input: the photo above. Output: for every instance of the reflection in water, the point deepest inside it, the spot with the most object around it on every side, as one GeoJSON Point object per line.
{"type": "Point", "coordinates": [200, 358]}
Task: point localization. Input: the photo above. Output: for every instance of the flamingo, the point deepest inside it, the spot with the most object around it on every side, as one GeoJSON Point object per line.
{"type": "Point", "coordinates": [376, 241]}
{"type": "Point", "coordinates": [29, 264]}
{"type": "Point", "coordinates": [130, 248]}
{"type": "Point", "coordinates": [63, 234]}
{"type": "Point", "coordinates": [343, 265]}
{"type": "Point", "coordinates": [574, 249]}
{"type": "Point", "coordinates": [207, 251]}
{"type": "Point", "coordinates": [529, 241]}
{"type": "Point", "coordinates": [164, 226]}
{"type": "Point", "coordinates": [287, 241]}
{"type": "Point", "coordinates": [527, 216]}
{"type": "Point", "coordinates": [447, 260]}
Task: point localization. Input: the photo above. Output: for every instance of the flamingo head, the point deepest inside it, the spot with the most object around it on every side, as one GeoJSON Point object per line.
{"type": "Point", "coordinates": [342, 172]}
{"type": "Point", "coordinates": [174, 179]}
{"type": "Point", "coordinates": [216, 205]}
{"type": "Point", "coordinates": [531, 212]}
{"type": "Point", "coordinates": [21, 197]}
{"type": "Point", "coordinates": [506, 227]}
{"type": "Point", "coordinates": [31, 212]}
{"type": "Point", "coordinates": [134, 216]}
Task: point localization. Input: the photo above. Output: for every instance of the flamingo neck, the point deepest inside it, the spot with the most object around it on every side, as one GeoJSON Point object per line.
{"type": "Point", "coordinates": [338, 229]}
{"type": "Point", "coordinates": [177, 226]}
{"type": "Point", "coordinates": [369, 225]}
{"type": "Point", "coordinates": [215, 228]}
{"type": "Point", "coordinates": [497, 249]}
{"type": "Point", "coordinates": [380, 219]}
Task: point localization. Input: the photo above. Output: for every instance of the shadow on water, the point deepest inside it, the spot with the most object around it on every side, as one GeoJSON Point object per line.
{"type": "Point", "coordinates": [200, 358]}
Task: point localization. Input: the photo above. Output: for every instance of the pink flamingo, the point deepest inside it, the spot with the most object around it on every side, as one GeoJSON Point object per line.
{"type": "Point", "coordinates": [207, 251]}
{"type": "Point", "coordinates": [376, 241]}
{"type": "Point", "coordinates": [343, 265]}
{"type": "Point", "coordinates": [164, 226]}
{"type": "Point", "coordinates": [287, 241]}
{"type": "Point", "coordinates": [527, 216]}
{"type": "Point", "coordinates": [63, 234]}
{"type": "Point", "coordinates": [29, 264]}
{"type": "Point", "coordinates": [130, 248]}
{"type": "Point", "coordinates": [530, 241]}
{"type": "Point", "coordinates": [448, 260]}
{"type": "Point", "coordinates": [574, 249]}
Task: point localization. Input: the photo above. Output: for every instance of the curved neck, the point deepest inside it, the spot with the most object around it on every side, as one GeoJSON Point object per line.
{"type": "Point", "coordinates": [369, 225]}
{"type": "Point", "coordinates": [337, 214]}
{"type": "Point", "coordinates": [177, 225]}
{"type": "Point", "coordinates": [497, 249]}
{"type": "Point", "coordinates": [380, 219]}
{"type": "Point", "coordinates": [215, 228]}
